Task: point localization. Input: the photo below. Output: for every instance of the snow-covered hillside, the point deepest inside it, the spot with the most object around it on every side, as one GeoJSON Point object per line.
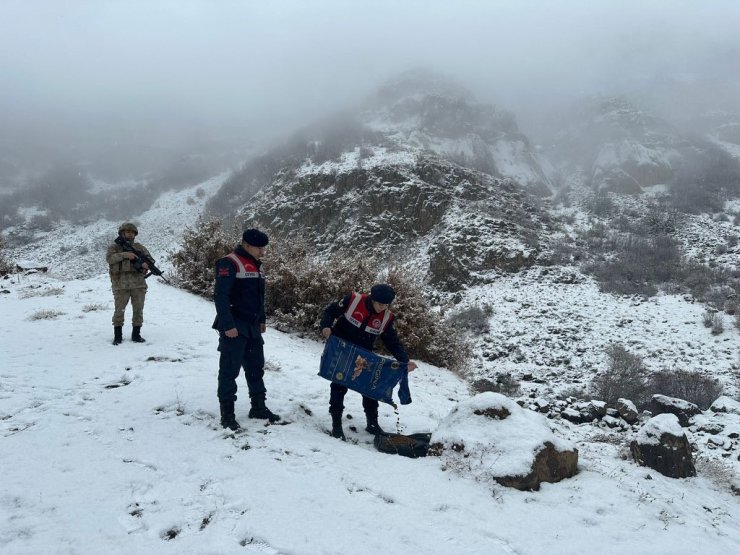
{"type": "Point", "coordinates": [118, 450]}
{"type": "Point", "coordinates": [79, 251]}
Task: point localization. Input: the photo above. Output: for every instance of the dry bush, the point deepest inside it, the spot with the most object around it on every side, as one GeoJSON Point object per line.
{"type": "Point", "coordinates": [48, 292]}
{"type": "Point", "coordinates": [45, 315]}
{"type": "Point", "coordinates": [504, 383]}
{"type": "Point", "coordinates": [473, 319]}
{"type": "Point", "coordinates": [422, 328]}
{"type": "Point", "coordinates": [301, 285]}
{"type": "Point", "coordinates": [714, 321]}
{"type": "Point", "coordinates": [199, 249]}
{"type": "Point", "coordinates": [5, 265]}
{"type": "Point", "coordinates": [690, 386]}
{"type": "Point", "coordinates": [625, 376]}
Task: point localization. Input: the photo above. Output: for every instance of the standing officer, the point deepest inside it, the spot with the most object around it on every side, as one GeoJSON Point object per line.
{"type": "Point", "coordinates": [239, 294]}
{"type": "Point", "coordinates": [127, 282]}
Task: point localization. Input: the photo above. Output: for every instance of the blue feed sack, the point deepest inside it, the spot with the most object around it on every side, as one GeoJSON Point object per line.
{"type": "Point", "coordinates": [362, 371]}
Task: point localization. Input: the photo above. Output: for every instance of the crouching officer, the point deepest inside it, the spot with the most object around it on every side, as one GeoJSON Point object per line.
{"type": "Point", "coordinates": [361, 319]}
{"type": "Point", "coordinates": [239, 294]}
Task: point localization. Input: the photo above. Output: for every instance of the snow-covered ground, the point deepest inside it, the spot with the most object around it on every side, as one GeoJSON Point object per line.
{"type": "Point", "coordinates": [544, 326]}
{"type": "Point", "coordinates": [118, 450]}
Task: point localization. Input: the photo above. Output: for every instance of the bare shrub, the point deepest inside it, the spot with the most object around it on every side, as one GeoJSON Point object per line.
{"type": "Point", "coordinates": [504, 383]}
{"type": "Point", "coordinates": [638, 265]}
{"type": "Point", "coordinates": [625, 376]}
{"type": "Point", "coordinates": [48, 292]}
{"type": "Point", "coordinates": [45, 315]}
{"type": "Point", "coordinates": [5, 265]}
{"type": "Point", "coordinates": [302, 285]}
{"type": "Point", "coordinates": [93, 307]}
{"type": "Point", "coordinates": [690, 386]}
{"type": "Point", "coordinates": [199, 249]}
{"type": "Point", "coordinates": [600, 204]}
{"type": "Point", "coordinates": [713, 320]}
{"type": "Point", "coordinates": [473, 319]}
{"type": "Point", "coordinates": [424, 333]}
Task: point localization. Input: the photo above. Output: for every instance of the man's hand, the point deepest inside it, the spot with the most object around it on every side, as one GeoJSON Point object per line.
{"type": "Point", "coordinates": [326, 332]}
{"type": "Point", "coordinates": [145, 266]}
{"type": "Point", "coordinates": [412, 366]}
{"type": "Point", "coordinates": [232, 333]}
{"type": "Point", "coordinates": [129, 255]}
{"type": "Point", "coordinates": [263, 328]}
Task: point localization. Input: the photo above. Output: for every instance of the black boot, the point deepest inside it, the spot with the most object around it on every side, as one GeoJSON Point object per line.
{"type": "Point", "coordinates": [136, 335]}
{"type": "Point", "coordinates": [336, 425]}
{"type": "Point", "coordinates": [259, 410]}
{"type": "Point", "coordinates": [228, 420]}
{"type": "Point", "coordinates": [117, 335]}
{"type": "Point", "coordinates": [372, 424]}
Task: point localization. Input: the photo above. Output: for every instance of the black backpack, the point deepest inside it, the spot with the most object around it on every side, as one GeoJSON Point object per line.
{"type": "Point", "coordinates": [414, 445]}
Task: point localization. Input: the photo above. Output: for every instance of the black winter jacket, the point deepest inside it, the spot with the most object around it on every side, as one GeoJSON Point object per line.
{"type": "Point", "coordinates": [240, 302]}
{"type": "Point", "coordinates": [345, 330]}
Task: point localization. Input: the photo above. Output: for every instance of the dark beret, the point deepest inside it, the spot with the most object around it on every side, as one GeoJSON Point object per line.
{"type": "Point", "coordinates": [255, 238]}
{"type": "Point", "coordinates": [382, 293]}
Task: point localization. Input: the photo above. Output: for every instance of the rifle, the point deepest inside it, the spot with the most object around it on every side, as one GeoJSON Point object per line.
{"type": "Point", "coordinates": [140, 259]}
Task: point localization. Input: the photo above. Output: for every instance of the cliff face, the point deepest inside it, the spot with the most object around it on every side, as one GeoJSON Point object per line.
{"type": "Point", "coordinates": [452, 223]}
{"type": "Point", "coordinates": [624, 149]}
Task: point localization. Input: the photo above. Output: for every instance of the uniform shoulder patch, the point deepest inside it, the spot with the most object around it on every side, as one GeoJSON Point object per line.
{"type": "Point", "coordinates": [222, 271]}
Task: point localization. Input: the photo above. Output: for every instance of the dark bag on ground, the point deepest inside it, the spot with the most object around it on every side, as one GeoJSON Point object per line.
{"type": "Point", "coordinates": [414, 445]}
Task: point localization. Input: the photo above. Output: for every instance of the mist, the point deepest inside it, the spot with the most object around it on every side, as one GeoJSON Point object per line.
{"type": "Point", "coordinates": [98, 78]}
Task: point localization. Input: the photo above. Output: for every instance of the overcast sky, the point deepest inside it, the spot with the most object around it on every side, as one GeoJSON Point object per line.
{"type": "Point", "coordinates": [151, 64]}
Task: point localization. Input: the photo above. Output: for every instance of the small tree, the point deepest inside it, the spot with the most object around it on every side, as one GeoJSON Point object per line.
{"type": "Point", "coordinates": [625, 376]}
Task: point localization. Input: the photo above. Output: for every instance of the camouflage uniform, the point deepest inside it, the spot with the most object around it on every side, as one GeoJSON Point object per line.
{"type": "Point", "coordinates": [126, 282]}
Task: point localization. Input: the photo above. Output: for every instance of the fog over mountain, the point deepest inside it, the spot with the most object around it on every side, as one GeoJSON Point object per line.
{"type": "Point", "coordinates": [92, 80]}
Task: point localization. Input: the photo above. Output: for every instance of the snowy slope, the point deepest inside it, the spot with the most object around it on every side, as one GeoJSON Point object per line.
{"type": "Point", "coordinates": [118, 450]}
{"type": "Point", "coordinates": [78, 252]}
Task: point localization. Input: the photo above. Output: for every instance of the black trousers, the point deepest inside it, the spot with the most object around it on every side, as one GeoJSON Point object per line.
{"type": "Point", "coordinates": [336, 400]}
{"type": "Point", "coordinates": [238, 352]}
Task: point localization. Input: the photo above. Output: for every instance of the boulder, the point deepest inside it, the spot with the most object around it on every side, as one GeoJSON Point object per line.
{"type": "Point", "coordinates": [491, 438]}
{"type": "Point", "coordinates": [627, 410]}
{"type": "Point", "coordinates": [725, 404]}
{"type": "Point", "coordinates": [662, 445]}
{"type": "Point", "coordinates": [662, 404]}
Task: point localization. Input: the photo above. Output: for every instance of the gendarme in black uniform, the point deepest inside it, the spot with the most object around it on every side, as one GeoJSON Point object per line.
{"type": "Point", "coordinates": [354, 319]}
{"type": "Point", "coordinates": [239, 294]}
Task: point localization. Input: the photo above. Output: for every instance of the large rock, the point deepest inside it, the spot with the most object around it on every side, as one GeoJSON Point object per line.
{"type": "Point", "coordinates": [662, 404]}
{"type": "Point", "coordinates": [726, 404]}
{"type": "Point", "coordinates": [662, 445]}
{"type": "Point", "coordinates": [491, 438]}
{"type": "Point", "coordinates": [627, 410]}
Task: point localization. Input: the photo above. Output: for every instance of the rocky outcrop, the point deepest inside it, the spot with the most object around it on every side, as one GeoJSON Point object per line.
{"type": "Point", "coordinates": [662, 445]}
{"type": "Point", "coordinates": [459, 223]}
